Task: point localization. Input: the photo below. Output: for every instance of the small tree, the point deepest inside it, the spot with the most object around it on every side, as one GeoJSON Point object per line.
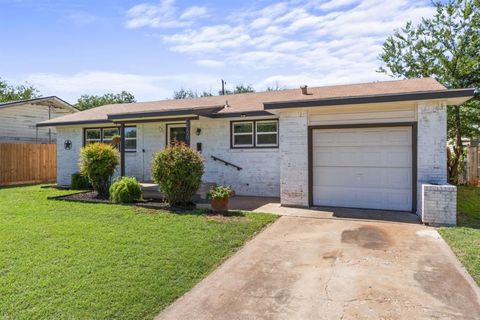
{"type": "Point", "coordinates": [97, 163]}
{"type": "Point", "coordinates": [178, 170]}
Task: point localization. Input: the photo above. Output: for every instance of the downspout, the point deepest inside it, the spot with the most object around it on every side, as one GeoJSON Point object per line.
{"type": "Point", "coordinates": [122, 149]}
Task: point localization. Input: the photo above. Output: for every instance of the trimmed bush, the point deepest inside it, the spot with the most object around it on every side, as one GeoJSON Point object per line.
{"type": "Point", "coordinates": [98, 162]}
{"type": "Point", "coordinates": [79, 182]}
{"type": "Point", "coordinates": [125, 190]}
{"type": "Point", "coordinates": [178, 170]}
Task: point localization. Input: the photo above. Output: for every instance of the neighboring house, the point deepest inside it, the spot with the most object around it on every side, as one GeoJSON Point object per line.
{"type": "Point", "coordinates": [373, 145]}
{"type": "Point", "coordinates": [18, 119]}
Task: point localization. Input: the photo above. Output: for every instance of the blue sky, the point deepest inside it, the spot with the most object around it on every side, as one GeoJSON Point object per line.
{"type": "Point", "coordinates": [150, 48]}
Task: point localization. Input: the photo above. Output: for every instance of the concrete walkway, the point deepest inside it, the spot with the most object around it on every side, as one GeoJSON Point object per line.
{"type": "Point", "coordinates": [316, 268]}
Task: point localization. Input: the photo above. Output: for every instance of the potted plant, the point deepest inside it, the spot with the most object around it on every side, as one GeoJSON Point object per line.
{"type": "Point", "coordinates": [116, 139]}
{"type": "Point", "coordinates": [219, 196]}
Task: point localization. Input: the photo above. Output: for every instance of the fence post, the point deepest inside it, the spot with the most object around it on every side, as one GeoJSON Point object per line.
{"type": "Point", "coordinates": [473, 166]}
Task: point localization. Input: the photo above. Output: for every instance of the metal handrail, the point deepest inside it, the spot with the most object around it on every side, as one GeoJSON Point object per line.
{"type": "Point", "coordinates": [226, 163]}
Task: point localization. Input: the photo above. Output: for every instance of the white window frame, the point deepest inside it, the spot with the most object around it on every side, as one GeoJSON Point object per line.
{"type": "Point", "coordinates": [104, 140]}
{"type": "Point", "coordinates": [250, 145]}
{"type": "Point", "coordinates": [257, 133]}
{"type": "Point", "coordinates": [88, 141]}
{"type": "Point", "coordinates": [126, 138]}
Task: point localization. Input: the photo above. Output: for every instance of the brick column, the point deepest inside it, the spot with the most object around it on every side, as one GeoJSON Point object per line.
{"type": "Point", "coordinates": [294, 158]}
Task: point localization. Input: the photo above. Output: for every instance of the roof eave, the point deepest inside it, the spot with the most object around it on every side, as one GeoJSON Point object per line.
{"type": "Point", "coordinates": [381, 98]}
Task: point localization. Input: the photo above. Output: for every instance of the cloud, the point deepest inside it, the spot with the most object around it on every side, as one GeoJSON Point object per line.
{"type": "Point", "coordinates": [144, 87]}
{"type": "Point", "coordinates": [194, 12]}
{"type": "Point", "coordinates": [210, 63]}
{"type": "Point", "coordinates": [162, 15]}
{"type": "Point", "coordinates": [321, 42]}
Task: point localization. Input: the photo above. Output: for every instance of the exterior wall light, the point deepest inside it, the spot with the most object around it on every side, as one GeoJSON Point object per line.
{"type": "Point", "coordinates": [198, 131]}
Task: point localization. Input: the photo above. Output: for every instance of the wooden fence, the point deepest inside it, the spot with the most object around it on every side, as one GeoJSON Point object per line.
{"type": "Point", "coordinates": [473, 165]}
{"type": "Point", "coordinates": [27, 163]}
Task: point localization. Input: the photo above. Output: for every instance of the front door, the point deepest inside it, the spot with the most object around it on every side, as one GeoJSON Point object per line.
{"type": "Point", "coordinates": [176, 133]}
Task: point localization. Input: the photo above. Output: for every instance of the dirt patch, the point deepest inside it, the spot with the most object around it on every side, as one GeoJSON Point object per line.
{"type": "Point", "coordinates": [368, 237]}
{"type": "Point", "coordinates": [444, 282]}
{"type": "Point", "coordinates": [226, 218]}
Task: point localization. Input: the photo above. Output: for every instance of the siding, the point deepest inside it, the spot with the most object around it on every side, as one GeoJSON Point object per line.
{"type": "Point", "coordinates": [17, 124]}
{"type": "Point", "coordinates": [380, 113]}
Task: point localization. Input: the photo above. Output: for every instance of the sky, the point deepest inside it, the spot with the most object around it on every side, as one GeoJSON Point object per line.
{"type": "Point", "coordinates": [151, 48]}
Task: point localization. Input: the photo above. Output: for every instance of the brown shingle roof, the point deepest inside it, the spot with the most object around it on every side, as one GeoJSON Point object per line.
{"type": "Point", "coordinates": [250, 102]}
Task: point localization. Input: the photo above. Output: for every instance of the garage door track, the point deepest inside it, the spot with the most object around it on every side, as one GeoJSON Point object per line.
{"type": "Point", "coordinates": [310, 268]}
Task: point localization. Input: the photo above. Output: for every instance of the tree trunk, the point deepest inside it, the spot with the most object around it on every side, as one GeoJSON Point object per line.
{"type": "Point", "coordinates": [457, 149]}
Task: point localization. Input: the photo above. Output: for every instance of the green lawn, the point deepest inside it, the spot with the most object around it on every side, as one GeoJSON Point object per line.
{"type": "Point", "coordinates": [65, 260]}
{"type": "Point", "coordinates": [465, 238]}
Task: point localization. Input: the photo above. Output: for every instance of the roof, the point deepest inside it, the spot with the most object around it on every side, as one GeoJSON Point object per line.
{"type": "Point", "coordinates": [258, 103]}
{"type": "Point", "coordinates": [44, 101]}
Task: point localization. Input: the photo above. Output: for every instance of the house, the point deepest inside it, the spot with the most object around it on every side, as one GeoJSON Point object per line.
{"type": "Point", "coordinates": [18, 119]}
{"type": "Point", "coordinates": [379, 145]}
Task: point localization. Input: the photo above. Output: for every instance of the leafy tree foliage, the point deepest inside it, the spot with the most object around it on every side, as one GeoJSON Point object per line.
{"type": "Point", "coordinates": [446, 47]}
{"type": "Point", "coordinates": [189, 94]}
{"type": "Point", "coordinates": [92, 101]}
{"type": "Point", "coordinates": [240, 88]}
{"type": "Point", "coordinates": [20, 92]}
{"type": "Point", "coordinates": [98, 162]}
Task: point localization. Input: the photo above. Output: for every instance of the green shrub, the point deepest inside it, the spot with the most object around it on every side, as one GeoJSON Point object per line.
{"type": "Point", "coordinates": [220, 192]}
{"type": "Point", "coordinates": [126, 190]}
{"type": "Point", "coordinates": [79, 182]}
{"type": "Point", "coordinates": [98, 162]}
{"type": "Point", "coordinates": [178, 170]}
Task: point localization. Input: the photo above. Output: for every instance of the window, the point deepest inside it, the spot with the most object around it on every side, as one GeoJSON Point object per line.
{"type": "Point", "coordinates": [130, 139]}
{"type": "Point", "coordinates": [266, 133]}
{"type": "Point", "coordinates": [242, 134]}
{"type": "Point", "coordinates": [105, 135]}
{"type": "Point", "coordinates": [108, 134]}
{"type": "Point", "coordinates": [93, 135]}
{"type": "Point", "coordinates": [251, 134]}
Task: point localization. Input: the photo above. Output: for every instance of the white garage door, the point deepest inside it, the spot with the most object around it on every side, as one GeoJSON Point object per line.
{"type": "Point", "coordinates": [363, 168]}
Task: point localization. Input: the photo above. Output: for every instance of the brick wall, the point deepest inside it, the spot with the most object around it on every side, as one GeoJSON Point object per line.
{"type": "Point", "coordinates": [439, 204]}
{"type": "Point", "coordinates": [260, 174]}
{"type": "Point", "coordinates": [431, 145]}
{"type": "Point", "coordinates": [67, 160]}
{"type": "Point", "coordinates": [294, 158]}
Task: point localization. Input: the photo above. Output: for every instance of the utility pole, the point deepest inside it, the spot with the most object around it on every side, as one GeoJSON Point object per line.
{"type": "Point", "coordinates": [223, 87]}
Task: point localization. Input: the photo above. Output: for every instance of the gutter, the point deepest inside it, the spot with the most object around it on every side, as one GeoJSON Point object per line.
{"type": "Point", "coordinates": [378, 98]}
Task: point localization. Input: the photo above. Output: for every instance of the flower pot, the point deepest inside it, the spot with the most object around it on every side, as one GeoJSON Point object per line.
{"type": "Point", "coordinates": [220, 205]}
{"type": "Point", "coordinates": [116, 141]}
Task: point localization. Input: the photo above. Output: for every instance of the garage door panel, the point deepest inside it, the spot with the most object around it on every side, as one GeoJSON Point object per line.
{"type": "Point", "coordinates": [363, 167]}
{"type": "Point", "coordinates": [376, 198]}
{"type": "Point", "coordinates": [394, 178]}
{"type": "Point", "coordinates": [365, 137]}
{"type": "Point", "coordinates": [361, 156]}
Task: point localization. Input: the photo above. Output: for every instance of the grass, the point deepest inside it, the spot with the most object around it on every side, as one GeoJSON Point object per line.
{"type": "Point", "coordinates": [62, 260]}
{"type": "Point", "coordinates": [465, 238]}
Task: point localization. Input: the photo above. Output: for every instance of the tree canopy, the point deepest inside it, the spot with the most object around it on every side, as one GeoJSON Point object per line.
{"type": "Point", "coordinates": [447, 48]}
{"type": "Point", "coordinates": [189, 94]}
{"type": "Point", "coordinates": [10, 92]}
{"type": "Point", "coordinates": [91, 101]}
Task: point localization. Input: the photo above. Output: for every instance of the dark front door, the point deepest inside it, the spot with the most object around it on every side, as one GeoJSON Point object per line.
{"type": "Point", "coordinates": [177, 132]}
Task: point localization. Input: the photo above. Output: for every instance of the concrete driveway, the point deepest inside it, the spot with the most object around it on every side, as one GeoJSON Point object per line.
{"type": "Point", "coordinates": [315, 268]}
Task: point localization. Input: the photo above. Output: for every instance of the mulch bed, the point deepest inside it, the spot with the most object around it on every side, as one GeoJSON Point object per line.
{"type": "Point", "coordinates": [92, 197]}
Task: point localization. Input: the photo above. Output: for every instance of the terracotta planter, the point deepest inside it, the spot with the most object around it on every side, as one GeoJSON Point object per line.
{"type": "Point", "coordinates": [220, 205]}
{"type": "Point", "coordinates": [116, 141]}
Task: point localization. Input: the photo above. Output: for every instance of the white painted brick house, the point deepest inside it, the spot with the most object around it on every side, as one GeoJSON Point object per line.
{"type": "Point", "coordinates": [371, 145]}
